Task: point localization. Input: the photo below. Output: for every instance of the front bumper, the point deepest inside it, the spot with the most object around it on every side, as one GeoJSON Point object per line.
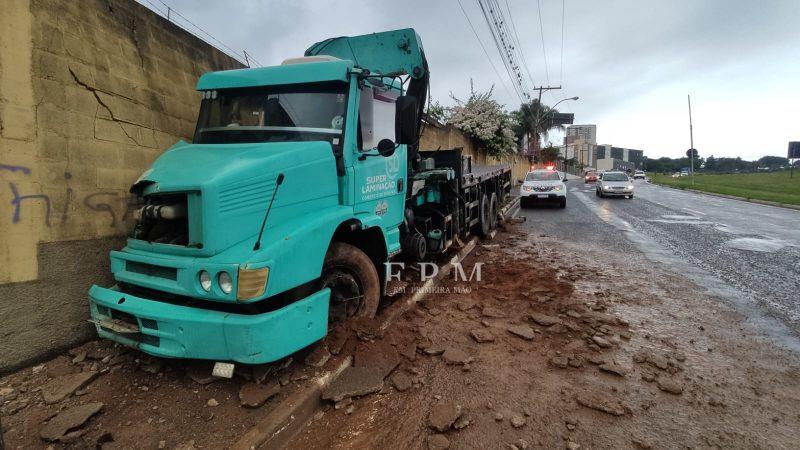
{"type": "Point", "coordinates": [175, 331]}
{"type": "Point", "coordinates": [619, 193]}
{"type": "Point", "coordinates": [550, 195]}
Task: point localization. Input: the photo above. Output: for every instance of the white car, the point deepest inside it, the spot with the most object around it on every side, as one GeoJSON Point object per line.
{"type": "Point", "coordinates": [543, 186]}
{"type": "Point", "coordinates": [614, 184]}
{"type": "Point", "coordinates": [638, 174]}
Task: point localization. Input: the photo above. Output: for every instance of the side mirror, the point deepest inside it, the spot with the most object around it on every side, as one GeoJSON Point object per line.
{"type": "Point", "coordinates": [386, 147]}
{"type": "Point", "coordinates": [405, 120]}
{"type": "Point", "coordinates": [519, 180]}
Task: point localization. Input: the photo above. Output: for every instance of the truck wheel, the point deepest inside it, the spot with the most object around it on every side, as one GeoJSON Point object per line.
{"type": "Point", "coordinates": [493, 211]}
{"type": "Point", "coordinates": [353, 281]}
{"type": "Point", "coordinates": [563, 203]}
{"type": "Point", "coordinates": [485, 219]}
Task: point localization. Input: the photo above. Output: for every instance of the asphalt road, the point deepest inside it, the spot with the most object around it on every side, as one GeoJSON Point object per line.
{"type": "Point", "coordinates": [746, 253]}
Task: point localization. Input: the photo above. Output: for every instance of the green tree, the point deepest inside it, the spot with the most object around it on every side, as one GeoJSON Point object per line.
{"type": "Point", "coordinates": [437, 112]}
{"type": "Point", "coordinates": [549, 154]}
{"type": "Point", "coordinates": [534, 120]}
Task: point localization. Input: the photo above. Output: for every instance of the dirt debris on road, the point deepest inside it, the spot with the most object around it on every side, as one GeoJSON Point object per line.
{"type": "Point", "coordinates": [565, 353]}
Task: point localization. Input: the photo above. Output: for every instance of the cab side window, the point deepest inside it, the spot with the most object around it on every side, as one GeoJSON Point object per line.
{"type": "Point", "coordinates": [376, 116]}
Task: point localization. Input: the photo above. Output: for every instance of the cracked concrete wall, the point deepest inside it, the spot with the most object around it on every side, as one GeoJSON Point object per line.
{"type": "Point", "coordinates": [91, 92]}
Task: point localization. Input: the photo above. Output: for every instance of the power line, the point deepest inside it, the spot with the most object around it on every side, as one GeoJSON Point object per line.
{"type": "Point", "coordinates": [493, 32]}
{"type": "Point", "coordinates": [505, 43]}
{"type": "Point", "coordinates": [519, 45]}
{"type": "Point", "coordinates": [499, 78]}
{"type": "Point", "coordinates": [561, 68]}
{"type": "Point", "coordinates": [541, 31]}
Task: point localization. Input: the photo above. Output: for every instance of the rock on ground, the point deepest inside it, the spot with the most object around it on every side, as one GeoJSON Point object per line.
{"type": "Point", "coordinates": [457, 356]}
{"type": "Point", "coordinates": [68, 420]}
{"type": "Point", "coordinates": [354, 382]}
{"type": "Point", "coordinates": [401, 381]}
{"type": "Point", "coordinates": [669, 385]}
{"type": "Point", "coordinates": [377, 355]}
{"type": "Point", "coordinates": [523, 331]}
{"type": "Point", "coordinates": [481, 335]}
{"type": "Point", "coordinates": [438, 442]}
{"type": "Point", "coordinates": [596, 402]}
{"type": "Point", "coordinates": [319, 356]}
{"type": "Point", "coordinates": [443, 416]}
{"type": "Point", "coordinates": [601, 341]}
{"type": "Point", "coordinates": [544, 320]}
{"type": "Point", "coordinates": [614, 369]}
{"type": "Point", "coordinates": [62, 387]}
{"type": "Point", "coordinates": [253, 395]}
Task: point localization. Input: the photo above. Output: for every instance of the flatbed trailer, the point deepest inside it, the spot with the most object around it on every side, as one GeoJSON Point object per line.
{"type": "Point", "coordinates": [459, 199]}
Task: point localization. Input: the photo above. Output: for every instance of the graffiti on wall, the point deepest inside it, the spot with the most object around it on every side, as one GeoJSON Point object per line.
{"type": "Point", "coordinates": [117, 207]}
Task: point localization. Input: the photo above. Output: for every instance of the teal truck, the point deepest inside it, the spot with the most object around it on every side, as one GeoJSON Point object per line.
{"type": "Point", "coordinates": [301, 181]}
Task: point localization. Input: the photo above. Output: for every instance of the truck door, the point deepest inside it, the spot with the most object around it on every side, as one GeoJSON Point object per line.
{"type": "Point", "coordinates": [380, 182]}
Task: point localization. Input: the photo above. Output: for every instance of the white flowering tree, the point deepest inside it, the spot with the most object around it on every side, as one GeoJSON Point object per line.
{"type": "Point", "coordinates": [483, 119]}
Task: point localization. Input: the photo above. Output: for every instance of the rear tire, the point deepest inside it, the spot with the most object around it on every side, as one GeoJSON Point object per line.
{"type": "Point", "coordinates": [485, 219]}
{"type": "Point", "coordinates": [493, 211]}
{"type": "Point", "coordinates": [353, 281]}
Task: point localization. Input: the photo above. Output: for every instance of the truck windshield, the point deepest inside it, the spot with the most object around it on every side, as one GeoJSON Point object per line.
{"type": "Point", "coordinates": [272, 114]}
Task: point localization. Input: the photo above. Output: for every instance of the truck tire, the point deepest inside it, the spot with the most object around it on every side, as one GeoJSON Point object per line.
{"type": "Point", "coordinates": [485, 219]}
{"type": "Point", "coordinates": [353, 281]}
{"type": "Point", "coordinates": [493, 211]}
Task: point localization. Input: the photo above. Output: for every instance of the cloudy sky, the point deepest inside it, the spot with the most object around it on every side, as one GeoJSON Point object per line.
{"type": "Point", "coordinates": [631, 62]}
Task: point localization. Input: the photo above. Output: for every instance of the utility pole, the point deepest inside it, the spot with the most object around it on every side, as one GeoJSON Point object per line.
{"type": "Point", "coordinates": [541, 89]}
{"type": "Point", "coordinates": [691, 137]}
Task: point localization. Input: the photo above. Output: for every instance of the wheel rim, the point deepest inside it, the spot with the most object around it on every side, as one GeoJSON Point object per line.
{"type": "Point", "coordinates": [347, 297]}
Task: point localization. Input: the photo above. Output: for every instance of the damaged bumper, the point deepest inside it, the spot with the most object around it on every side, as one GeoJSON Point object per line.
{"type": "Point", "coordinates": [175, 331]}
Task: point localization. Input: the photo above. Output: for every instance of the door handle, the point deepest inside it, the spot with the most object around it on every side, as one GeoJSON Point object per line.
{"type": "Point", "coordinates": [400, 185]}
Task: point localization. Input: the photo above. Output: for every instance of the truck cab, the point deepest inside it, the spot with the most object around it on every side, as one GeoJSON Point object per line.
{"type": "Point", "coordinates": [300, 182]}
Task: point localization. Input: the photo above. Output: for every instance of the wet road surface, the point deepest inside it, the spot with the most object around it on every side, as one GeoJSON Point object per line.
{"type": "Point", "coordinates": [745, 253]}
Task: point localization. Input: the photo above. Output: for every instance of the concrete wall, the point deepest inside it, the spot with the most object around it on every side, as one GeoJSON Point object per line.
{"type": "Point", "coordinates": [448, 137]}
{"type": "Point", "coordinates": [90, 93]}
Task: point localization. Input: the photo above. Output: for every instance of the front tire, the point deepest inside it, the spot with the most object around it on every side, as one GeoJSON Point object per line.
{"type": "Point", "coordinates": [563, 203]}
{"type": "Point", "coordinates": [353, 281]}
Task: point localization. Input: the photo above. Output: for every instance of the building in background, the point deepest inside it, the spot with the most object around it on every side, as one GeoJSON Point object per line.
{"type": "Point", "coordinates": [586, 133]}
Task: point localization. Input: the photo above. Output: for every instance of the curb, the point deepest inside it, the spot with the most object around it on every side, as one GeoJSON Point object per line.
{"type": "Point", "coordinates": [732, 197]}
{"type": "Point", "coordinates": [288, 417]}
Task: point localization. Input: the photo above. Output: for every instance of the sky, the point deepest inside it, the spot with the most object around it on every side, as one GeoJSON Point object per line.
{"type": "Point", "coordinates": [631, 62]}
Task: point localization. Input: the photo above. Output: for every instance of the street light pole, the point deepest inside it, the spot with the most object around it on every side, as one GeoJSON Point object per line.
{"type": "Point", "coordinates": [691, 137]}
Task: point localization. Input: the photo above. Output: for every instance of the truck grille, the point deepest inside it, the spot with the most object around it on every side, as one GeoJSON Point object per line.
{"type": "Point", "coordinates": [169, 273]}
{"type": "Point", "coordinates": [543, 188]}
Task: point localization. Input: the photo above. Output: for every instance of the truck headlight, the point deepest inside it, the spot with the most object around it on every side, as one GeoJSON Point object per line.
{"type": "Point", "coordinates": [225, 282]}
{"type": "Point", "coordinates": [557, 188]}
{"type": "Point", "coordinates": [252, 283]}
{"type": "Point", "coordinates": [205, 280]}
{"type": "Point", "coordinates": [608, 188]}
{"type": "Point", "coordinates": [630, 186]}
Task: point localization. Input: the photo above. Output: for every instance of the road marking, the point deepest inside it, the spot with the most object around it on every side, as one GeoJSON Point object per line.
{"type": "Point", "coordinates": [696, 212]}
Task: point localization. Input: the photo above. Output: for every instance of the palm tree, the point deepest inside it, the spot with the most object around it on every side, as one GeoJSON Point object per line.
{"type": "Point", "coordinates": [534, 122]}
